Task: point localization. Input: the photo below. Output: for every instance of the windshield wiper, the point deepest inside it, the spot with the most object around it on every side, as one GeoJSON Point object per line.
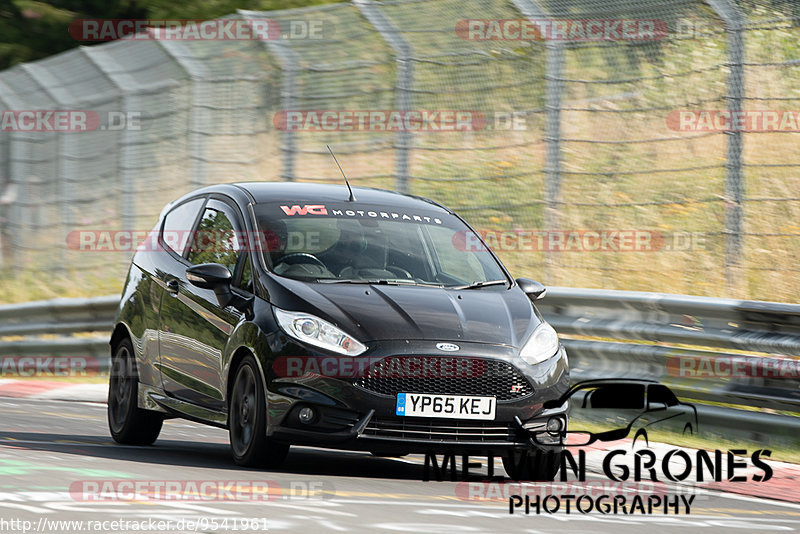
{"type": "Point", "coordinates": [475, 285]}
{"type": "Point", "coordinates": [342, 281]}
{"type": "Point", "coordinates": [385, 282]}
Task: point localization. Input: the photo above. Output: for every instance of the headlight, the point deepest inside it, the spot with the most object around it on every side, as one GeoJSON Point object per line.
{"type": "Point", "coordinates": [315, 331]}
{"type": "Point", "coordinates": [541, 346]}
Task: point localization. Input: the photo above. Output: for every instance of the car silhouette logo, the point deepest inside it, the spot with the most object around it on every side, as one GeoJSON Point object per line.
{"type": "Point", "coordinates": [447, 347]}
{"type": "Point", "coordinates": [644, 405]}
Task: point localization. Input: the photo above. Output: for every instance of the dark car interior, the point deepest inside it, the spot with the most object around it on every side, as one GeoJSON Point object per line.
{"type": "Point", "coordinates": [350, 249]}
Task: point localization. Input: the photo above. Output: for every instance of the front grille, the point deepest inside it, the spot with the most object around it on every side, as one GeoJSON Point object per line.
{"type": "Point", "coordinates": [486, 378]}
{"type": "Point", "coordinates": [450, 430]}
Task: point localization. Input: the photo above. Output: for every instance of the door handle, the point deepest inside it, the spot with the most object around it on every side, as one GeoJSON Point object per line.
{"type": "Point", "coordinates": [173, 286]}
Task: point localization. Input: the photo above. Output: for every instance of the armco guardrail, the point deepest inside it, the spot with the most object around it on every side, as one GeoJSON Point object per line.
{"type": "Point", "coordinates": [59, 327]}
{"type": "Point", "coordinates": [630, 324]}
{"type": "Point", "coordinates": [59, 316]}
{"type": "Point", "coordinates": [608, 334]}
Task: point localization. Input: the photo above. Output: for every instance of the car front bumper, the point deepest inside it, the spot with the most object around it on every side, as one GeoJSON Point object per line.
{"type": "Point", "coordinates": [348, 416]}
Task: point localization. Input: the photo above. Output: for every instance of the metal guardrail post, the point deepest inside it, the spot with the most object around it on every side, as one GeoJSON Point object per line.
{"type": "Point", "coordinates": [5, 191]}
{"type": "Point", "coordinates": [10, 209]}
{"type": "Point", "coordinates": [65, 201]}
{"type": "Point", "coordinates": [734, 20]}
{"type": "Point", "coordinates": [197, 139]}
{"type": "Point", "coordinates": [554, 87]}
{"type": "Point", "coordinates": [288, 59]}
{"type": "Point", "coordinates": [127, 202]}
{"type": "Point", "coordinates": [404, 84]}
{"type": "Point", "coordinates": [7, 196]}
{"type": "Point", "coordinates": [289, 66]}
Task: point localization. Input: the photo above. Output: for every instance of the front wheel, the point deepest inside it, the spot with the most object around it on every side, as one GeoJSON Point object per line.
{"type": "Point", "coordinates": [128, 423]}
{"type": "Point", "coordinates": [247, 420]}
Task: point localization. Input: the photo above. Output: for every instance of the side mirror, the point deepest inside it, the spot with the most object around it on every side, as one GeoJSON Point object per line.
{"type": "Point", "coordinates": [208, 275]}
{"type": "Point", "coordinates": [656, 406]}
{"type": "Point", "coordinates": [212, 276]}
{"type": "Point", "coordinates": [535, 290]}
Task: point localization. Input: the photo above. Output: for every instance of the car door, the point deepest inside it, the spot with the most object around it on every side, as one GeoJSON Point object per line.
{"type": "Point", "coordinates": [147, 268]}
{"type": "Point", "coordinates": [194, 328]}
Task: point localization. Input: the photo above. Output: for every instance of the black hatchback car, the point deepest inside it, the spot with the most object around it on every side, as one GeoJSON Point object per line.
{"type": "Point", "coordinates": [301, 314]}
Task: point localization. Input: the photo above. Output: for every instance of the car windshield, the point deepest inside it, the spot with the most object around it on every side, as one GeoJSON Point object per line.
{"type": "Point", "coordinates": [357, 243]}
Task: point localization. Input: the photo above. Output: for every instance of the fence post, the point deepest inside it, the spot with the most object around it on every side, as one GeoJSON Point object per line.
{"type": "Point", "coordinates": [733, 19]}
{"type": "Point", "coordinates": [35, 72]}
{"type": "Point", "coordinates": [288, 59]}
{"type": "Point", "coordinates": [127, 201]}
{"type": "Point", "coordinates": [6, 191]}
{"type": "Point", "coordinates": [554, 87]}
{"type": "Point", "coordinates": [14, 211]}
{"type": "Point", "coordinates": [289, 66]}
{"type": "Point", "coordinates": [404, 83]}
{"type": "Point", "coordinates": [196, 138]}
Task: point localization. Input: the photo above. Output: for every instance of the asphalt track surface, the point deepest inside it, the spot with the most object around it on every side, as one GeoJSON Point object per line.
{"type": "Point", "coordinates": [55, 458]}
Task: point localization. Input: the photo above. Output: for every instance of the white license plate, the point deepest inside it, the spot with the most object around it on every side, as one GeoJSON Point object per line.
{"type": "Point", "coordinates": [446, 406]}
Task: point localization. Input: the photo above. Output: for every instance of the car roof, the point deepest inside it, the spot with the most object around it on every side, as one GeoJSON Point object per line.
{"type": "Point", "coordinates": [313, 193]}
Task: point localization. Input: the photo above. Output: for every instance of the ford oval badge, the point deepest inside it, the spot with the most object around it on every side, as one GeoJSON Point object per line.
{"type": "Point", "coordinates": [447, 347]}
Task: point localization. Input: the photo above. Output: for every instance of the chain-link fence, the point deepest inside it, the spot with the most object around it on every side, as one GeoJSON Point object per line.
{"type": "Point", "coordinates": [618, 144]}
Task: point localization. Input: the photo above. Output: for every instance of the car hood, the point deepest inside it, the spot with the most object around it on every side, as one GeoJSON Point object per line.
{"type": "Point", "coordinates": [494, 315]}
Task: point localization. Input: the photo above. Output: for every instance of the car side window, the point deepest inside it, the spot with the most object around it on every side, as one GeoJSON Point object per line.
{"type": "Point", "coordinates": [661, 394]}
{"type": "Point", "coordinates": [178, 225]}
{"type": "Point", "coordinates": [215, 240]}
{"type": "Point", "coordinates": [618, 397]}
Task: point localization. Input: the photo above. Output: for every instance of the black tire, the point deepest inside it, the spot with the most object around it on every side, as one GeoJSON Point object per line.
{"type": "Point", "coordinates": [128, 423]}
{"type": "Point", "coordinates": [247, 420]}
{"type": "Point", "coordinates": [537, 465]}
